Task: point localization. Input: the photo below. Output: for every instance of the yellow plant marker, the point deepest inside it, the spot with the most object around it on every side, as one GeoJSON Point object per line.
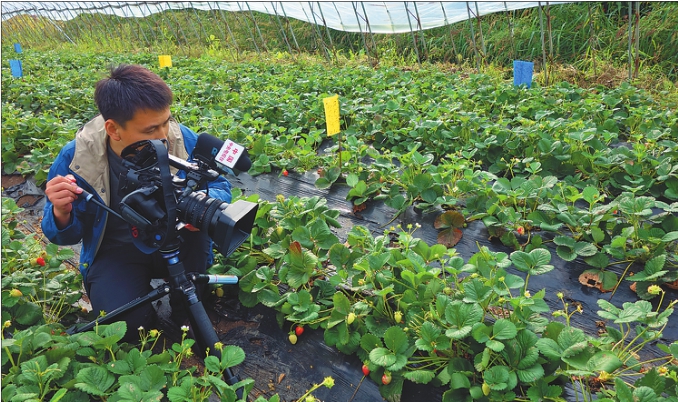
{"type": "Point", "coordinates": [332, 114]}
{"type": "Point", "coordinates": [165, 61]}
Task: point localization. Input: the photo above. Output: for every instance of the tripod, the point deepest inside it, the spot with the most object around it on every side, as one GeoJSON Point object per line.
{"type": "Point", "coordinates": [227, 225]}
{"type": "Point", "coordinates": [182, 283]}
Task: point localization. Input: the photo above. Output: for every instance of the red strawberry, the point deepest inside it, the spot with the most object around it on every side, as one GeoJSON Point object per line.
{"type": "Point", "coordinates": [386, 378]}
{"type": "Point", "coordinates": [520, 230]}
{"type": "Point", "coordinates": [366, 370]}
{"type": "Point", "coordinates": [285, 172]}
{"type": "Point", "coordinates": [40, 261]}
{"type": "Point", "coordinates": [299, 330]}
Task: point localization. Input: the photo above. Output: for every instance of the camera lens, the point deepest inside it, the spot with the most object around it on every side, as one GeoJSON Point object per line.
{"type": "Point", "coordinates": [198, 210]}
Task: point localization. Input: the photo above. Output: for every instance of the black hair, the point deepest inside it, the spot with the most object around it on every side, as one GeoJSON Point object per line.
{"type": "Point", "coordinates": [128, 89]}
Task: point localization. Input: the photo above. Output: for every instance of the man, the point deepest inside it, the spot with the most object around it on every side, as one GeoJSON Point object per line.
{"type": "Point", "coordinates": [134, 105]}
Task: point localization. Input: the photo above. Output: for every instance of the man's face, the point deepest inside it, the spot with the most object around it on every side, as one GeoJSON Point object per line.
{"type": "Point", "coordinates": [145, 125]}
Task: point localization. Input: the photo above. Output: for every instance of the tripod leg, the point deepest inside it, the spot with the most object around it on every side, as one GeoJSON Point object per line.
{"type": "Point", "coordinates": [205, 335]}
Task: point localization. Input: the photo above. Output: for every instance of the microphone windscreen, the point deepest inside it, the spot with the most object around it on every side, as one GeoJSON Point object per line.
{"type": "Point", "coordinates": [217, 153]}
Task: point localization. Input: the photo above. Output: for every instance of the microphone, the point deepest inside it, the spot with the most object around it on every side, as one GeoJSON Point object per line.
{"type": "Point", "coordinates": [221, 155]}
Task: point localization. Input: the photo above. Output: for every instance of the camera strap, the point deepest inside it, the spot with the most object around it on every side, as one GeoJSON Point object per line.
{"type": "Point", "coordinates": [151, 209]}
{"type": "Point", "coordinates": [168, 189]}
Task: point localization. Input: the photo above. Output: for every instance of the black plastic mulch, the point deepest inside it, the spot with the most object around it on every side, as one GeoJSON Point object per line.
{"type": "Point", "coordinates": [310, 360]}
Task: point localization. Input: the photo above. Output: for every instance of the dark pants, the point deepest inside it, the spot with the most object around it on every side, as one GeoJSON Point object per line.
{"type": "Point", "coordinates": [121, 273]}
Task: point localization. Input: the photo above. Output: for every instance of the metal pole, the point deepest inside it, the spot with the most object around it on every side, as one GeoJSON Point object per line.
{"type": "Point", "coordinates": [45, 28]}
{"type": "Point", "coordinates": [369, 29]}
{"type": "Point", "coordinates": [591, 39]}
{"type": "Point", "coordinates": [79, 32]}
{"type": "Point", "coordinates": [46, 19]}
{"type": "Point", "coordinates": [414, 40]}
{"type": "Point", "coordinates": [630, 39]}
{"type": "Point", "coordinates": [480, 31]}
{"type": "Point", "coordinates": [254, 41]}
{"type": "Point", "coordinates": [33, 30]}
{"type": "Point", "coordinates": [228, 27]}
{"type": "Point", "coordinates": [473, 37]}
{"type": "Point", "coordinates": [103, 22]}
{"type": "Point", "coordinates": [511, 31]}
{"type": "Point", "coordinates": [123, 24]}
{"type": "Point", "coordinates": [202, 28]}
{"type": "Point", "coordinates": [166, 23]}
{"type": "Point", "coordinates": [320, 36]}
{"type": "Point", "coordinates": [360, 29]}
{"type": "Point", "coordinates": [58, 28]}
{"type": "Point", "coordinates": [216, 16]}
{"type": "Point", "coordinates": [263, 42]}
{"type": "Point", "coordinates": [454, 47]}
{"type": "Point", "coordinates": [390, 19]}
{"type": "Point", "coordinates": [350, 42]}
{"type": "Point", "coordinates": [421, 31]}
{"type": "Point", "coordinates": [287, 21]}
{"type": "Point", "coordinates": [122, 21]}
{"type": "Point", "coordinates": [282, 30]}
{"type": "Point", "coordinates": [543, 46]}
{"type": "Point", "coordinates": [180, 29]}
{"type": "Point", "coordinates": [150, 25]}
{"type": "Point", "coordinates": [548, 26]}
{"type": "Point", "coordinates": [637, 61]}
{"type": "Point", "coordinates": [329, 36]}
{"type": "Point", "coordinates": [147, 41]}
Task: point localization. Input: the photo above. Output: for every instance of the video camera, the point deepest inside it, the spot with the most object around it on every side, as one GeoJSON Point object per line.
{"type": "Point", "coordinates": [158, 204]}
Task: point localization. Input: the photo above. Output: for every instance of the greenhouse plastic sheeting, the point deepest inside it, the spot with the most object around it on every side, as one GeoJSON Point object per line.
{"type": "Point", "coordinates": [373, 17]}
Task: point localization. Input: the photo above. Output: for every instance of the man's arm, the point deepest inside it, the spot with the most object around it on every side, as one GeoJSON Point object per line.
{"type": "Point", "coordinates": [59, 223]}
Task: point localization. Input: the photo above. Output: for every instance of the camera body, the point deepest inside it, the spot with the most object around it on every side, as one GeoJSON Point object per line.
{"type": "Point", "coordinates": [157, 204]}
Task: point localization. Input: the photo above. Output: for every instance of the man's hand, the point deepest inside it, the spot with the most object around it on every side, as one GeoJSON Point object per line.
{"type": "Point", "coordinates": [61, 192]}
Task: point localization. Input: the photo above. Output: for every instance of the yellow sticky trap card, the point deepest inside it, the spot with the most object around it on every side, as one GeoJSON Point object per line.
{"type": "Point", "coordinates": [165, 61]}
{"type": "Point", "coordinates": [332, 114]}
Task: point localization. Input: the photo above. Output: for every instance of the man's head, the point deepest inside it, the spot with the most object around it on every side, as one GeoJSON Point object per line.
{"type": "Point", "coordinates": [135, 103]}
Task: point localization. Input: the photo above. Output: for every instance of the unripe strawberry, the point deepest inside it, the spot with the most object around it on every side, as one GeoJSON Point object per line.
{"type": "Point", "coordinates": [521, 230]}
{"type": "Point", "coordinates": [15, 293]}
{"type": "Point", "coordinates": [386, 378]}
{"type": "Point", "coordinates": [486, 389]}
{"type": "Point", "coordinates": [398, 316]}
{"type": "Point", "coordinates": [293, 339]}
{"type": "Point", "coordinates": [219, 292]}
{"type": "Point", "coordinates": [350, 318]}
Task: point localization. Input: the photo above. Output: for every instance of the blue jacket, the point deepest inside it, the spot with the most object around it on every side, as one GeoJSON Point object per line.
{"type": "Point", "coordinates": [85, 158]}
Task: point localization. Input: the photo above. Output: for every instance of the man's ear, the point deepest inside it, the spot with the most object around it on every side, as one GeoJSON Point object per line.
{"type": "Point", "coordinates": [112, 129]}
